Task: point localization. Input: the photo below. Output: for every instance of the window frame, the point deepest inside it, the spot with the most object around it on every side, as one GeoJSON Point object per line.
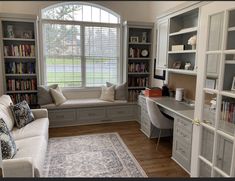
{"type": "Point", "coordinates": [82, 24]}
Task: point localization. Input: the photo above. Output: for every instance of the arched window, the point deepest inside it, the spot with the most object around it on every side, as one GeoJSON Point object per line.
{"type": "Point", "coordinates": [81, 45]}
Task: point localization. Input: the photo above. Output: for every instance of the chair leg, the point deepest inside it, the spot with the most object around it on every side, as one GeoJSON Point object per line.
{"type": "Point", "coordinates": [158, 140]}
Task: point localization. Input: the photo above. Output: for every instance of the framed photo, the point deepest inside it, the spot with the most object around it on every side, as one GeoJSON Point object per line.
{"type": "Point", "coordinates": [176, 65]}
{"type": "Point", "coordinates": [210, 83]}
{"type": "Point", "coordinates": [233, 84]}
{"type": "Point", "coordinates": [134, 39]}
{"type": "Point", "coordinates": [27, 34]}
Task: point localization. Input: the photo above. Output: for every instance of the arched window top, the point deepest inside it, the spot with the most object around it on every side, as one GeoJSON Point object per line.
{"type": "Point", "coordinates": [80, 11]}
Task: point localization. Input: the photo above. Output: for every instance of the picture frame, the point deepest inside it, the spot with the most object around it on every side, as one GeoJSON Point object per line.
{"type": "Point", "coordinates": [134, 39]}
{"type": "Point", "coordinates": [233, 84]}
{"type": "Point", "coordinates": [176, 65]}
{"type": "Point", "coordinates": [27, 34]}
{"type": "Point", "coordinates": [210, 83]}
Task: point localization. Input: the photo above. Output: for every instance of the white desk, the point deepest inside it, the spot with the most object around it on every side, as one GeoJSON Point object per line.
{"type": "Point", "coordinates": [173, 106]}
{"type": "Point", "coordinates": [183, 115]}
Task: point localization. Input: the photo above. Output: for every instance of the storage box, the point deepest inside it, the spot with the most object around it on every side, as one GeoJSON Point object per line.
{"type": "Point", "coordinates": [153, 92]}
{"type": "Point", "coordinates": [177, 47]}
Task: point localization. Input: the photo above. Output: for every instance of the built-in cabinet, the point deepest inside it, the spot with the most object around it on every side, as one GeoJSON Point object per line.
{"type": "Point", "coordinates": [20, 57]}
{"type": "Point", "coordinates": [213, 151]}
{"type": "Point", "coordinates": [137, 55]}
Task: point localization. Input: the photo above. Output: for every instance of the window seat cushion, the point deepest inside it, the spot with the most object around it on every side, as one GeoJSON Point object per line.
{"type": "Point", "coordinates": [77, 103]}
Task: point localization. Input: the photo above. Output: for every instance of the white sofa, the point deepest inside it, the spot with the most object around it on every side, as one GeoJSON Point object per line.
{"type": "Point", "coordinates": [31, 142]}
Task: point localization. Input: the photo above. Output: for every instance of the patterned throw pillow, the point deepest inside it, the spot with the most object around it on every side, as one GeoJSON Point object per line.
{"type": "Point", "coordinates": [22, 114]}
{"type": "Point", "coordinates": [8, 145]}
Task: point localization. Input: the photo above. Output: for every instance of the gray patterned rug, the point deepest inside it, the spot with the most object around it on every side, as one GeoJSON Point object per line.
{"type": "Point", "coordinates": [95, 155]}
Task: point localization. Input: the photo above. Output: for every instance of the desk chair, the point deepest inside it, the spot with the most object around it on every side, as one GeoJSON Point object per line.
{"type": "Point", "coordinates": [157, 118]}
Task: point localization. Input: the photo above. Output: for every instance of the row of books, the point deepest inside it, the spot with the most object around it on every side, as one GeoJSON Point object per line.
{"type": "Point", "coordinates": [138, 81]}
{"type": "Point", "coordinates": [19, 50]}
{"type": "Point", "coordinates": [29, 98]}
{"type": "Point", "coordinates": [23, 84]}
{"type": "Point", "coordinates": [228, 112]}
{"type": "Point", "coordinates": [138, 67]}
{"type": "Point", "coordinates": [20, 68]}
{"type": "Point", "coordinates": [133, 95]}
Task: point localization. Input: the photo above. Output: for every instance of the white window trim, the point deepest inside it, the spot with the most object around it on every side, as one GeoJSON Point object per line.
{"type": "Point", "coordinates": [42, 64]}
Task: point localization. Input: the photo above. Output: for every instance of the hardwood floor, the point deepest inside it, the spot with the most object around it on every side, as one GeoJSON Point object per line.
{"type": "Point", "coordinates": [156, 163]}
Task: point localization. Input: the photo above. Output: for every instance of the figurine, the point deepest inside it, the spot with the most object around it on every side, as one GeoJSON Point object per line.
{"type": "Point", "coordinates": [187, 66]}
{"type": "Point", "coordinates": [192, 41]}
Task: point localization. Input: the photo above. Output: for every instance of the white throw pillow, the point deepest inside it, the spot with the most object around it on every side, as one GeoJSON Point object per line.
{"type": "Point", "coordinates": [57, 96]}
{"type": "Point", "coordinates": [107, 93]}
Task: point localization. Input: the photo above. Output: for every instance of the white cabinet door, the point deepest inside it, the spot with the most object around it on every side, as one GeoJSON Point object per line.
{"type": "Point", "coordinates": [162, 44]}
{"type": "Point", "coordinates": [213, 150]}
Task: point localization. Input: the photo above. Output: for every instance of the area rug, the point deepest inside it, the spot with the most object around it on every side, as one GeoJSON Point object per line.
{"type": "Point", "coordinates": [95, 155]}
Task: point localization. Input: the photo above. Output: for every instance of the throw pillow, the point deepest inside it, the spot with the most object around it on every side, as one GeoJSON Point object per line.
{"type": "Point", "coordinates": [57, 96]}
{"type": "Point", "coordinates": [8, 145]}
{"type": "Point", "coordinates": [44, 95]}
{"type": "Point", "coordinates": [120, 91]}
{"type": "Point", "coordinates": [107, 93]}
{"type": "Point", "coordinates": [22, 114]}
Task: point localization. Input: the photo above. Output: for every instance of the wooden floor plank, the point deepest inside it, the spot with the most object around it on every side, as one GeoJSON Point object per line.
{"type": "Point", "coordinates": [156, 163]}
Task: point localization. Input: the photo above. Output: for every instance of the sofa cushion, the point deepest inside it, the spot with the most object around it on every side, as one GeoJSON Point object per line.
{"type": "Point", "coordinates": [38, 127]}
{"type": "Point", "coordinates": [120, 91]}
{"type": "Point", "coordinates": [8, 146]}
{"type": "Point", "coordinates": [44, 95]}
{"type": "Point", "coordinates": [107, 93]}
{"type": "Point", "coordinates": [57, 96]}
{"type": "Point", "coordinates": [77, 103]}
{"type": "Point", "coordinates": [34, 147]}
{"type": "Point", "coordinates": [5, 111]}
{"type": "Point", "coordinates": [22, 114]}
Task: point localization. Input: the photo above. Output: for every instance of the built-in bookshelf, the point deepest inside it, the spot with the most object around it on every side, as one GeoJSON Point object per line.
{"type": "Point", "coordinates": [19, 53]}
{"type": "Point", "coordinates": [138, 55]}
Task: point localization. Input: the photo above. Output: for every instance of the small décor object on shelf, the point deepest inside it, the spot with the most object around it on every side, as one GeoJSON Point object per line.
{"type": "Point", "coordinates": [176, 65]}
{"type": "Point", "coordinates": [177, 47]}
{"type": "Point", "coordinates": [134, 39]}
{"type": "Point", "coordinates": [188, 66]}
{"type": "Point", "coordinates": [144, 37]}
{"type": "Point", "coordinates": [144, 53]}
{"type": "Point", "coordinates": [213, 104]}
{"type": "Point", "coordinates": [27, 34]}
{"type": "Point", "coordinates": [10, 31]}
{"type": "Point", "coordinates": [192, 41]}
{"type": "Point", "coordinates": [233, 84]}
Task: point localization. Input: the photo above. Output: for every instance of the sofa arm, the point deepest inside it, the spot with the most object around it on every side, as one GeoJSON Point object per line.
{"type": "Point", "coordinates": [40, 113]}
{"type": "Point", "coordinates": [18, 167]}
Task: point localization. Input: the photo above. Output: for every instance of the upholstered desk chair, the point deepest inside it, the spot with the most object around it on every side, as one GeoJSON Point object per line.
{"type": "Point", "coordinates": [157, 118]}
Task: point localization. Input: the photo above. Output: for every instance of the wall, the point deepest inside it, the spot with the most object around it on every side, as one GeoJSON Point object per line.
{"type": "Point", "coordinates": [146, 11]}
{"type": "Point", "coordinates": [129, 10]}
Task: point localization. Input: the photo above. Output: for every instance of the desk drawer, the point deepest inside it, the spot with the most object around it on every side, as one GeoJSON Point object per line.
{"type": "Point", "coordinates": [92, 114]}
{"type": "Point", "coordinates": [182, 153]}
{"type": "Point", "coordinates": [183, 123]}
{"type": "Point", "coordinates": [183, 134]}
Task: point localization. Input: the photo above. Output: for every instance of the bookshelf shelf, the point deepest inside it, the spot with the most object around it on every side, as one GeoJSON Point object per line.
{"type": "Point", "coordinates": [139, 43]}
{"type": "Point", "coordinates": [136, 87]}
{"type": "Point", "coordinates": [19, 75]}
{"type": "Point", "coordinates": [184, 51]}
{"type": "Point", "coordinates": [230, 61]}
{"type": "Point", "coordinates": [19, 57]}
{"type": "Point", "coordinates": [18, 39]}
{"type": "Point", "coordinates": [19, 54]}
{"type": "Point", "coordinates": [138, 73]}
{"type": "Point", "coordinates": [25, 91]}
{"type": "Point", "coordinates": [184, 31]}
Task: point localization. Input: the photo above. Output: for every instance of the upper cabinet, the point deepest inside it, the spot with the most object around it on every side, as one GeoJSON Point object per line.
{"type": "Point", "coordinates": [177, 42]}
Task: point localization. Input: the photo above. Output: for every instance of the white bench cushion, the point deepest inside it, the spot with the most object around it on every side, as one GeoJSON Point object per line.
{"type": "Point", "coordinates": [34, 147]}
{"type": "Point", "coordinates": [77, 103]}
{"type": "Point", "coordinates": [38, 127]}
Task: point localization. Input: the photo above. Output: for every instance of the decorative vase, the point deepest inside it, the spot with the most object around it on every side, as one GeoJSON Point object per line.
{"type": "Point", "coordinates": [194, 47]}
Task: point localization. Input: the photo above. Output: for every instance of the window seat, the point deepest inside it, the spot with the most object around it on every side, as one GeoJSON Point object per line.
{"type": "Point", "coordinates": [84, 107]}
